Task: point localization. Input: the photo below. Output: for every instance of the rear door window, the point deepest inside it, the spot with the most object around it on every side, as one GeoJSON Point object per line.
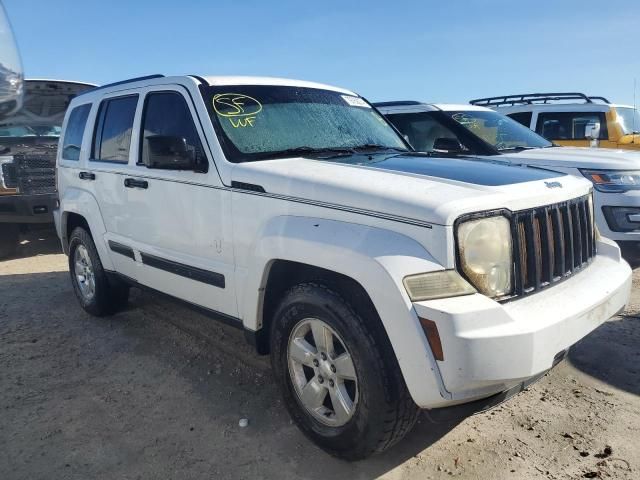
{"type": "Point", "coordinates": [74, 132]}
{"type": "Point", "coordinates": [522, 117]}
{"type": "Point", "coordinates": [569, 125]}
{"type": "Point", "coordinates": [112, 138]}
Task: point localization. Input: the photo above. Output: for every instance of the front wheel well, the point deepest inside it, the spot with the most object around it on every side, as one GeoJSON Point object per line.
{"type": "Point", "coordinates": [285, 274]}
{"type": "Point", "coordinates": [73, 220]}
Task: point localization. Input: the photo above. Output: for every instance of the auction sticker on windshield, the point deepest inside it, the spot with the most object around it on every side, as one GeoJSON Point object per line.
{"type": "Point", "coordinates": [355, 101]}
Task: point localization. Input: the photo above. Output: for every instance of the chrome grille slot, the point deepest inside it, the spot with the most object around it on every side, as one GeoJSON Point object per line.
{"type": "Point", "coordinates": [551, 243]}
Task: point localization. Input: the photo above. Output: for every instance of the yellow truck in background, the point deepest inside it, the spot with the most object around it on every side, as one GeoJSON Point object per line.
{"type": "Point", "coordinates": [572, 119]}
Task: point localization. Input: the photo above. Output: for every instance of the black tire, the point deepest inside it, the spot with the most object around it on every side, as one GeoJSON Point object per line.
{"type": "Point", "coordinates": [384, 412]}
{"type": "Point", "coordinates": [110, 295]}
{"type": "Point", "coordinates": [9, 236]}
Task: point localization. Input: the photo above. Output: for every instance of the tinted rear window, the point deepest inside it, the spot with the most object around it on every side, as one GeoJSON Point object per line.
{"type": "Point", "coordinates": [113, 130]}
{"type": "Point", "coordinates": [522, 117]}
{"type": "Point", "coordinates": [75, 131]}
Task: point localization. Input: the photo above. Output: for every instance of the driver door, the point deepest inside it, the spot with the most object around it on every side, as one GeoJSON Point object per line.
{"type": "Point", "coordinates": [179, 217]}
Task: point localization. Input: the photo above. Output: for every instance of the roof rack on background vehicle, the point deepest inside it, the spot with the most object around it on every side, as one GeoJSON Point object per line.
{"type": "Point", "coordinates": [531, 98]}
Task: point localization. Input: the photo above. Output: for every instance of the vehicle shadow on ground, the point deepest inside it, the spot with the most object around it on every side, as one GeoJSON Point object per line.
{"type": "Point", "coordinates": [611, 354]}
{"type": "Point", "coordinates": [42, 241]}
{"type": "Point", "coordinates": [631, 255]}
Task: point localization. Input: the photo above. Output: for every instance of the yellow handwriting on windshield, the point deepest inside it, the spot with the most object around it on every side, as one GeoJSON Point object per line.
{"type": "Point", "coordinates": [240, 109]}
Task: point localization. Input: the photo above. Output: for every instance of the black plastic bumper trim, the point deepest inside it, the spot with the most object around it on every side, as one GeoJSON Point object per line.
{"type": "Point", "coordinates": [447, 414]}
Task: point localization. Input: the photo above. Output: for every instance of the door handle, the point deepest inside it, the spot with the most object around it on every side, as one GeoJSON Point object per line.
{"type": "Point", "coordinates": [134, 183]}
{"type": "Point", "coordinates": [87, 176]}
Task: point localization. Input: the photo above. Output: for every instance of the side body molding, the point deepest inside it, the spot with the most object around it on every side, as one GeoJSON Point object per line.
{"type": "Point", "coordinates": [376, 258]}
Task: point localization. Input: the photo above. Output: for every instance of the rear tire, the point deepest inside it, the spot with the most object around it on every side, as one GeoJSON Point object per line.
{"type": "Point", "coordinates": [354, 418]}
{"type": "Point", "coordinates": [97, 294]}
{"type": "Point", "coordinates": [9, 236]}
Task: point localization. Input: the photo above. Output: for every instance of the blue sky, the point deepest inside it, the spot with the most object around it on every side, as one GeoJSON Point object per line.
{"type": "Point", "coordinates": [447, 51]}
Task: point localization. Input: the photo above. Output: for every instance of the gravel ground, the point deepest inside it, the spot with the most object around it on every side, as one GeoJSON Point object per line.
{"type": "Point", "coordinates": [157, 392]}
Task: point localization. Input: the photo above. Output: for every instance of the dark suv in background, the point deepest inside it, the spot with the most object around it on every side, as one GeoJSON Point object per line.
{"type": "Point", "coordinates": [28, 143]}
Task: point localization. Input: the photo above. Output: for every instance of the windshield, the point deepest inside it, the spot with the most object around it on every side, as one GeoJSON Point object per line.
{"type": "Point", "coordinates": [629, 120]}
{"type": "Point", "coordinates": [256, 122]}
{"type": "Point", "coordinates": [498, 130]}
{"type": "Point", "coordinates": [22, 131]}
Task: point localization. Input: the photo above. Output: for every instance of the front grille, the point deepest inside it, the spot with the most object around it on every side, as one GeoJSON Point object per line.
{"type": "Point", "coordinates": [551, 243]}
{"type": "Point", "coordinates": [9, 175]}
{"type": "Point", "coordinates": [36, 173]}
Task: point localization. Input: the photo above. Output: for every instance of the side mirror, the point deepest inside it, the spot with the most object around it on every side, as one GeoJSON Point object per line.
{"type": "Point", "coordinates": [170, 153]}
{"type": "Point", "coordinates": [592, 131]}
{"type": "Point", "coordinates": [450, 145]}
{"type": "Point", "coordinates": [11, 76]}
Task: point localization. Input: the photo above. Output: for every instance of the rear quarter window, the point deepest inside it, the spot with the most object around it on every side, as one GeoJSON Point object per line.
{"type": "Point", "coordinates": [74, 132]}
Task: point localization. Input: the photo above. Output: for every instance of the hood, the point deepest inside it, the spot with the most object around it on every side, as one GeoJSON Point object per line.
{"type": "Point", "coordinates": [573, 157]}
{"type": "Point", "coordinates": [45, 102]}
{"type": "Point", "coordinates": [630, 139]}
{"type": "Point", "coordinates": [416, 187]}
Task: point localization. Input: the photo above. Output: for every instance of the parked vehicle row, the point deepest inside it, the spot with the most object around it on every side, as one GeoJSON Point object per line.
{"type": "Point", "coordinates": [381, 280]}
{"type": "Point", "coordinates": [472, 131]}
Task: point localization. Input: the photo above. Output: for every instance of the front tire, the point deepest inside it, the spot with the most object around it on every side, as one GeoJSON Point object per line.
{"type": "Point", "coordinates": [341, 382]}
{"type": "Point", "coordinates": [96, 293]}
{"type": "Point", "coordinates": [9, 235]}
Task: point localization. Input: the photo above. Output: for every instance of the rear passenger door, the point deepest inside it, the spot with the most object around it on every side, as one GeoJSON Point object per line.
{"type": "Point", "coordinates": [178, 214]}
{"type": "Point", "coordinates": [108, 165]}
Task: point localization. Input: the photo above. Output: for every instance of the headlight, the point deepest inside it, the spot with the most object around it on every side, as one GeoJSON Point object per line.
{"type": "Point", "coordinates": [485, 253]}
{"type": "Point", "coordinates": [428, 286]}
{"type": "Point", "coordinates": [613, 180]}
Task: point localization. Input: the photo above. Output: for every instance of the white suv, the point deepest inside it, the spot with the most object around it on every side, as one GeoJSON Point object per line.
{"type": "Point", "coordinates": [381, 281]}
{"type": "Point", "coordinates": [479, 131]}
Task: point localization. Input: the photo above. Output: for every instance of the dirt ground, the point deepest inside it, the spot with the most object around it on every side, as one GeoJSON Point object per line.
{"type": "Point", "coordinates": [156, 392]}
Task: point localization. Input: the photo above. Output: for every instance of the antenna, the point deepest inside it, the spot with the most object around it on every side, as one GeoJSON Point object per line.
{"type": "Point", "coordinates": [635, 106]}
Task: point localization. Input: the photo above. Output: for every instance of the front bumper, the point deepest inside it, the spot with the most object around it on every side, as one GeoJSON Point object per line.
{"type": "Point", "coordinates": [490, 347]}
{"type": "Point", "coordinates": [27, 209]}
{"type": "Point", "coordinates": [610, 201]}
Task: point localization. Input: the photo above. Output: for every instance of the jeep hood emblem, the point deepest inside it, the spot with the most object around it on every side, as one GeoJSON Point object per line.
{"type": "Point", "coordinates": [553, 184]}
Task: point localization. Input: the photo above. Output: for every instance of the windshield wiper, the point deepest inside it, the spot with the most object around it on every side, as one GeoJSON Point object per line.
{"type": "Point", "coordinates": [519, 148]}
{"type": "Point", "coordinates": [304, 150]}
{"type": "Point", "coordinates": [375, 146]}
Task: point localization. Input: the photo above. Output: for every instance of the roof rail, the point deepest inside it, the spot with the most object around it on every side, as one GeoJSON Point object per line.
{"type": "Point", "coordinates": [533, 98]}
{"type": "Point", "coordinates": [122, 82]}
{"type": "Point", "coordinates": [200, 79]}
{"type": "Point", "coordinates": [398, 103]}
{"type": "Point", "coordinates": [602, 99]}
